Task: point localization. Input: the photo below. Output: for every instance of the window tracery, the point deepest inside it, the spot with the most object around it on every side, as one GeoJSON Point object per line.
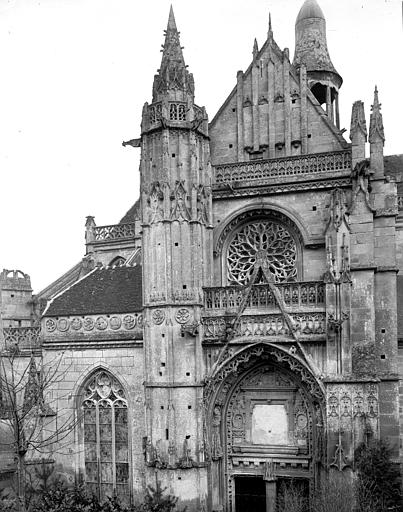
{"type": "Point", "coordinates": [265, 240]}
{"type": "Point", "coordinates": [106, 437]}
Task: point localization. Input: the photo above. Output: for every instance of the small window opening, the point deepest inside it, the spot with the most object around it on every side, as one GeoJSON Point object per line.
{"type": "Point", "coordinates": [189, 406]}
{"type": "Point", "coordinates": [160, 374]}
{"type": "Point", "coordinates": [184, 286]}
{"type": "Point", "coordinates": [187, 374]}
{"type": "Point", "coordinates": [309, 135]}
{"type": "Point", "coordinates": [234, 109]}
{"type": "Point", "coordinates": [230, 146]}
{"type": "Point", "coordinates": [162, 335]}
{"type": "Point", "coordinates": [176, 244]}
{"type": "Point", "coordinates": [166, 434]}
{"type": "Point", "coordinates": [173, 155]}
{"type": "Point", "coordinates": [383, 356]}
{"type": "Point", "coordinates": [314, 208]}
{"type": "Point", "coordinates": [162, 407]}
{"type": "Point", "coordinates": [293, 101]}
{"type": "Point", "coordinates": [163, 364]}
{"type": "Point", "coordinates": [383, 330]}
{"type": "Point", "coordinates": [188, 436]}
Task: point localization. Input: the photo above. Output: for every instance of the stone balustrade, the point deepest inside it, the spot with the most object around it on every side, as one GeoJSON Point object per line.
{"type": "Point", "coordinates": [294, 295]}
{"type": "Point", "coordinates": [277, 168]}
{"type": "Point", "coordinates": [114, 232]}
{"type": "Point", "coordinates": [23, 337]}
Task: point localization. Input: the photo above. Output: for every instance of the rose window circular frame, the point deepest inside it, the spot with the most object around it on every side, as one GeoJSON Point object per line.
{"type": "Point", "coordinates": [259, 237]}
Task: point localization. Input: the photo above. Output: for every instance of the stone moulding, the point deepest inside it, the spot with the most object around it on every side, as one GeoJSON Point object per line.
{"type": "Point", "coordinates": [93, 324]}
{"type": "Point", "coordinates": [258, 188]}
{"type": "Point", "coordinates": [278, 168]}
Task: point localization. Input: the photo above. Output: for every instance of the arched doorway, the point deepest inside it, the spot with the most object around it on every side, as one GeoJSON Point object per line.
{"type": "Point", "coordinates": [264, 427]}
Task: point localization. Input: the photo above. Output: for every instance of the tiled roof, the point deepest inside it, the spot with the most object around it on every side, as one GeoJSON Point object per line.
{"type": "Point", "coordinates": [105, 290]}
{"type": "Point", "coordinates": [132, 214]}
{"type": "Point", "coordinates": [394, 166]}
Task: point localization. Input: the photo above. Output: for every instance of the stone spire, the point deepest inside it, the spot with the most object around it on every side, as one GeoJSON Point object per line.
{"type": "Point", "coordinates": [376, 131]}
{"type": "Point", "coordinates": [173, 78]}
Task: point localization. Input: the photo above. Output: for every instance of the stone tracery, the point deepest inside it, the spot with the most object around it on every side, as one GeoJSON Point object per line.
{"type": "Point", "coordinates": [265, 239]}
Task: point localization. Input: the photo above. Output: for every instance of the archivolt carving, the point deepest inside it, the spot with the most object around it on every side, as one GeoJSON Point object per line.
{"type": "Point", "coordinates": [219, 385]}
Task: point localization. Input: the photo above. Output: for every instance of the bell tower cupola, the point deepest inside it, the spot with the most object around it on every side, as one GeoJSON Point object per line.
{"type": "Point", "coordinates": [311, 50]}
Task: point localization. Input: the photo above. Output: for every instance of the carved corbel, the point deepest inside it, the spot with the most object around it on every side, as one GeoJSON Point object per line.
{"type": "Point", "coordinates": [360, 177]}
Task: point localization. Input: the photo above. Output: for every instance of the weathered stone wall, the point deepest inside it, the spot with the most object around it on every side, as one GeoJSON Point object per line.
{"type": "Point", "coordinates": [74, 368]}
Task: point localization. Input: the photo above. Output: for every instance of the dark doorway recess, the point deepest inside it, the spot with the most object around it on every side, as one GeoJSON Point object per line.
{"type": "Point", "coordinates": [250, 494]}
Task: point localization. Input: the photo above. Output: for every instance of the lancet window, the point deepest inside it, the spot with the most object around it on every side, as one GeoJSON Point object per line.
{"type": "Point", "coordinates": [106, 437]}
{"type": "Point", "coordinates": [265, 240]}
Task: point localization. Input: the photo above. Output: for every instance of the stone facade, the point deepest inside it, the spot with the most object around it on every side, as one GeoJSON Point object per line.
{"type": "Point", "coordinates": [240, 326]}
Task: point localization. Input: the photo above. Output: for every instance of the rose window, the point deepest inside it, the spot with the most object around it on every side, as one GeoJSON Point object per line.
{"type": "Point", "coordinates": [265, 240]}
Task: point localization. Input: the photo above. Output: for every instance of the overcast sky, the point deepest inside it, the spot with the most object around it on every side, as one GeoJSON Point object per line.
{"type": "Point", "coordinates": [75, 74]}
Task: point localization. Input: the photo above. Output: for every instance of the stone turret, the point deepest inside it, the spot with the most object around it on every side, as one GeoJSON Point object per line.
{"type": "Point", "coordinates": [311, 50]}
{"type": "Point", "coordinates": [176, 212]}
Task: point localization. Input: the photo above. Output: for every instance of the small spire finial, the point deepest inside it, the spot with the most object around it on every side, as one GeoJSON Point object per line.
{"type": "Point", "coordinates": [376, 122]}
{"type": "Point", "coordinates": [270, 31]}
{"type": "Point", "coordinates": [255, 48]}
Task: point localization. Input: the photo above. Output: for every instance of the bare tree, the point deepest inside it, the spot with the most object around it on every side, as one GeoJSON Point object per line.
{"type": "Point", "coordinates": [32, 429]}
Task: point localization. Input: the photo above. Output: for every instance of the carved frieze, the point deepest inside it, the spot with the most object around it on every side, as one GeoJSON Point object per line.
{"type": "Point", "coordinates": [93, 323]}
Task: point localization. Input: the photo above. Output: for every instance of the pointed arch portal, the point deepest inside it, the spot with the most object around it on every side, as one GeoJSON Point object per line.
{"type": "Point", "coordinates": [264, 427]}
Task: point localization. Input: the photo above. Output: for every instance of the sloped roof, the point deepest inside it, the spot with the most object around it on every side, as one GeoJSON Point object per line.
{"type": "Point", "coordinates": [132, 214]}
{"type": "Point", "coordinates": [394, 166]}
{"type": "Point", "coordinates": [105, 290]}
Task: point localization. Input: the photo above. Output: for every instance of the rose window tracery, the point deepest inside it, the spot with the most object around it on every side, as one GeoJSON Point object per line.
{"type": "Point", "coordinates": [268, 241]}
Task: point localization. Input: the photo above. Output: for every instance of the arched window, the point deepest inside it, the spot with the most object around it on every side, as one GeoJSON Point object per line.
{"type": "Point", "coordinates": [268, 240]}
{"type": "Point", "coordinates": [106, 436]}
{"type": "Point", "coordinates": [119, 261]}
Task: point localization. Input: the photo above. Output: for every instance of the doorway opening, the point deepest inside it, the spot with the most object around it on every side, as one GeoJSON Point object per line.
{"type": "Point", "coordinates": [250, 494]}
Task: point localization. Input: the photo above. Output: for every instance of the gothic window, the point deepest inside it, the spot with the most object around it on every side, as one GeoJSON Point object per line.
{"type": "Point", "coordinates": [173, 112]}
{"type": "Point", "coordinates": [106, 437]}
{"type": "Point", "coordinates": [182, 113]}
{"type": "Point", "coordinates": [268, 241]}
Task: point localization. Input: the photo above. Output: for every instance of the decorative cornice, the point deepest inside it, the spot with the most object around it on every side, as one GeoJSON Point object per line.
{"type": "Point", "coordinates": [92, 325]}
{"type": "Point", "coordinates": [259, 188]}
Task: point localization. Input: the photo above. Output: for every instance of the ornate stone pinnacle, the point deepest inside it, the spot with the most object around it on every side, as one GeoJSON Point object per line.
{"type": "Point", "coordinates": [376, 131]}
{"type": "Point", "coordinates": [358, 123]}
{"type": "Point", "coordinates": [255, 48]}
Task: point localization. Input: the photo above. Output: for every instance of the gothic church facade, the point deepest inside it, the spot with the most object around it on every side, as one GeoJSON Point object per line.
{"type": "Point", "coordinates": [238, 328]}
